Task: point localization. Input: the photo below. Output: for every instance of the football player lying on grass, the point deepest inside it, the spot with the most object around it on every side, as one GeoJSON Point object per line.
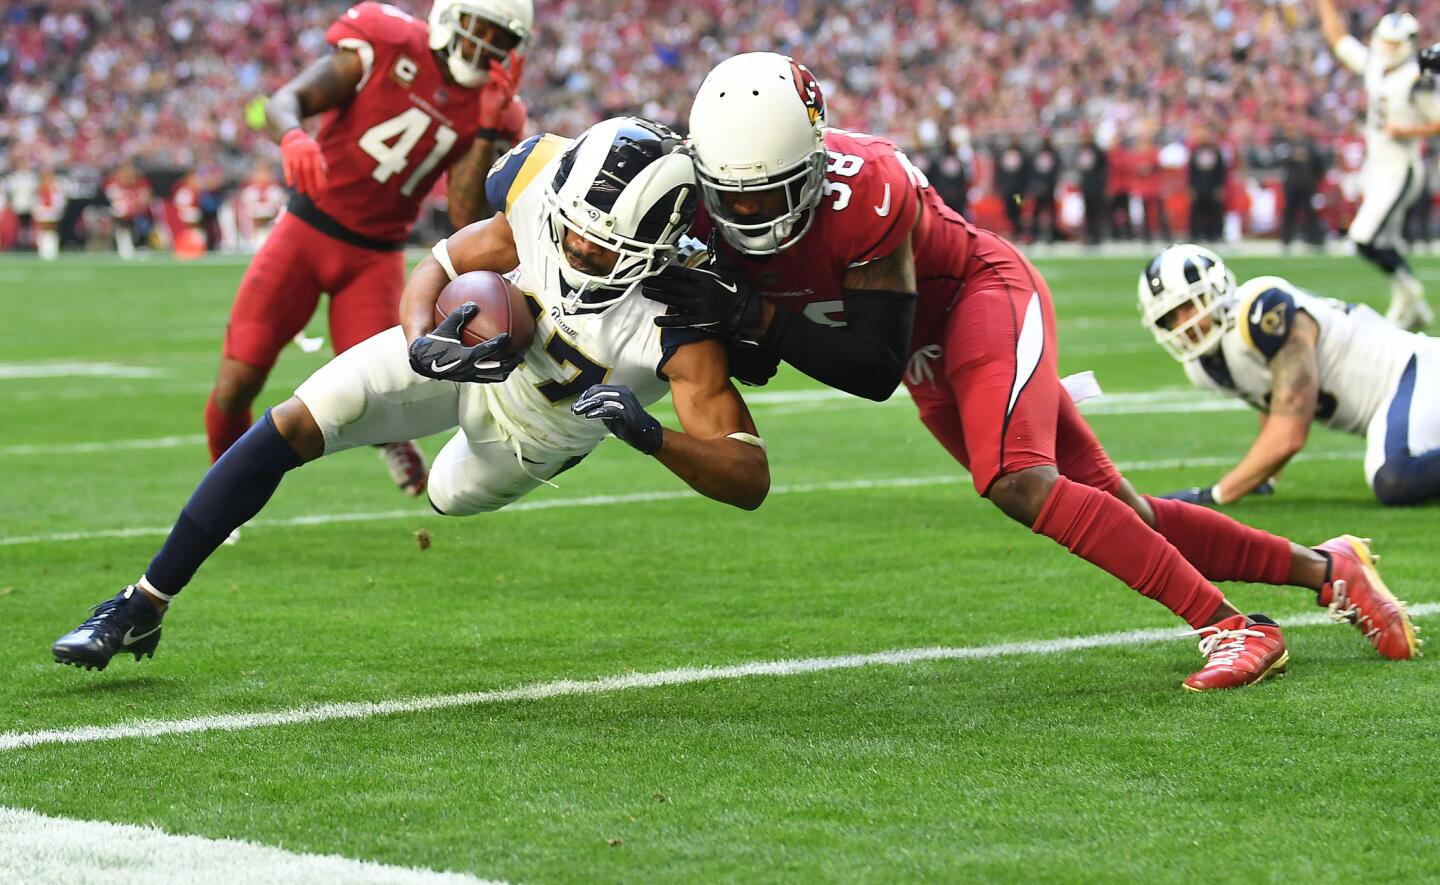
{"type": "Point", "coordinates": [1299, 358]}
{"type": "Point", "coordinates": [585, 222]}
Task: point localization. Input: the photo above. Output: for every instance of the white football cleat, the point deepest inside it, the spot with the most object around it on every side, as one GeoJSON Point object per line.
{"type": "Point", "coordinates": [407, 467]}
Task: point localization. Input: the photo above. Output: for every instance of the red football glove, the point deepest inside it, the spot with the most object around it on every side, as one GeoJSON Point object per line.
{"type": "Point", "coordinates": [502, 114]}
{"type": "Point", "coordinates": [304, 164]}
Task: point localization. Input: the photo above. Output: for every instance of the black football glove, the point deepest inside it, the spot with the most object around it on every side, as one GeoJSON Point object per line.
{"type": "Point", "coordinates": [707, 297]}
{"type": "Point", "coordinates": [622, 413]}
{"type": "Point", "coordinates": [1206, 496]}
{"type": "Point", "coordinates": [441, 354]}
{"type": "Point", "coordinates": [749, 364]}
{"type": "Point", "coordinates": [1430, 59]}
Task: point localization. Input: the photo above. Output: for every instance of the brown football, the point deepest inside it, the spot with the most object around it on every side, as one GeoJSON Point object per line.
{"type": "Point", "coordinates": [503, 308]}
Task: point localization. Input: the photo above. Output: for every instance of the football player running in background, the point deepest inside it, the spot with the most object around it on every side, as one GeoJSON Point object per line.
{"type": "Point", "coordinates": [403, 103]}
{"type": "Point", "coordinates": [1299, 358]}
{"type": "Point", "coordinates": [836, 256]}
{"type": "Point", "coordinates": [1401, 111]}
{"type": "Point", "coordinates": [585, 222]}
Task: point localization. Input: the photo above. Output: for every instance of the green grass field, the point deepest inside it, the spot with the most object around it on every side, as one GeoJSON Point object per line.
{"type": "Point", "coordinates": [1086, 764]}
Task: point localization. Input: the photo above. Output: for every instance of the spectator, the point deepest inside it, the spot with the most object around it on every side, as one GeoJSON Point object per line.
{"type": "Point", "coordinates": [1012, 180]}
{"type": "Point", "coordinates": [128, 193]}
{"type": "Point", "coordinates": [950, 174]}
{"type": "Point", "coordinates": [1093, 166]}
{"type": "Point", "coordinates": [261, 199]}
{"type": "Point", "coordinates": [49, 209]}
{"type": "Point", "coordinates": [1122, 183]}
{"type": "Point", "coordinates": [1207, 188]}
{"type": "Point", "coordinates": [1044, 179]}
{"type": "Point", "coordinates": [1151, 188]}
{"type": "Point", "coordinates": [1302, 168]}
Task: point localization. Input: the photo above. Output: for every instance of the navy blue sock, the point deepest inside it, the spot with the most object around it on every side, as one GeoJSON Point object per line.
{"type": "Point", "coordinates": [233, 491]}
{"type": "Point", "coordinates": [1408, 480]}
{"type": "Point", "coordinates": [1387, 259]}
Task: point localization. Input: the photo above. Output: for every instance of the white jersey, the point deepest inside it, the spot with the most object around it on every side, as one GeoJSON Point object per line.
{"type": "Point", "coordinates": [618, 344]}
{"type": "Point", "coordinates": [1400, 95]}
{"type": "Point", "coordinates": [1360, 355]}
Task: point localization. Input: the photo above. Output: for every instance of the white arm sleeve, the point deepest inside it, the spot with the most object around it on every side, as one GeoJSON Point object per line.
{"type": "Point", "coordinates": [1352, 54]}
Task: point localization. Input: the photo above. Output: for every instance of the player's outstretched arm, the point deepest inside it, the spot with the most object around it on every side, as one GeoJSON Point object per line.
{"type": "Point", "coordinates": [1294, 393]}
{"type": "Point", "coordinates": [1330, 24]}
{"type": "Point", "coordinates": [865, 357]}
{"type": "Point", "coordinates": [502, 118]}
{"type": "Point", "coordinates": [718, 454]}
{"type": "Point", "coordinates": [484, 245]}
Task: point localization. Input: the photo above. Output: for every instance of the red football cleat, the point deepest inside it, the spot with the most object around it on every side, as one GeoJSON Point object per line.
{"type": "Point", "coordinates": [1356, 595]}
{"type": "Point", "coordinates": [406, 464]}
{"type": "Point", "coordinates": [1237, 653]}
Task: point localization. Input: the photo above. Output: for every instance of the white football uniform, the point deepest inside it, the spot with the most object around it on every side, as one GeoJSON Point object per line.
{"type": "Point", "coordinates": [1375, 379]}
{"type": "Point", "coordinates": [1392, 176]}
{"type": "Point", "coordinates": [518, 433]}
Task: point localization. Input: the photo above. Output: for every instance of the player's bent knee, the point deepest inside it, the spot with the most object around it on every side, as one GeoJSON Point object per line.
{"type": "Point", "coordinates": [1393, 486]}
{"type": "Point", "coordinates": [298, 427]}
{"type": "Point", "coordinates": [1021, 495]}
{"type": "Point", "coordinates": [237, 385]}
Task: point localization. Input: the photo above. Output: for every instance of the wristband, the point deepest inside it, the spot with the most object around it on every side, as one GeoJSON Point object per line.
{"type": "Point", "coordinates": [485, 133]}
{"type": "Point", "coordinates": [442, 255]}
{"type": "Point", "coordinates": [1215, 495]}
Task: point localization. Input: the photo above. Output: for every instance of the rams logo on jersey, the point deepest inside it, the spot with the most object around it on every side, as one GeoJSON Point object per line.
{"type": "Point", "coordinates": [1273, 322]}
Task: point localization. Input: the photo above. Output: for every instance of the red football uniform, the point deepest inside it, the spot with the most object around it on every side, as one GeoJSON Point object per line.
{"type": "Point", "coordinates": [127, 201]}
{"type": "Point", "coordinates": [187, 204]}
{"type": "Point", "coordinates": [384, 150]}
{"type": "Point", "coordinates": [403, 129]}
{"type": "Point", "coordinates": [983, 365]}
{"type": "Point", "coordinates": [49, 204]}
{"type": "Point", "coordinates": [260, 202]}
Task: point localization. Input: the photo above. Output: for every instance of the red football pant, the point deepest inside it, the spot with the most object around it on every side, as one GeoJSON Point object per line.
{"type": "Point", "coordinates": [994, 400]}
{"type": "Point", "coordinates": [280, 292]}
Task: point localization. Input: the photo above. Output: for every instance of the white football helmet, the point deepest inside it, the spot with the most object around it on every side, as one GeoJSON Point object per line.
{"type": "Point", "coordinates": [1395, 39]}
{"type": "Point", "coordinates": [756, 125]}
{"type": "Point", "coordinates": [467, 55]}
{"type": "Point", "coordinates": [625, 184]}
{"type": "Point", "coordinates": [1187, 274]}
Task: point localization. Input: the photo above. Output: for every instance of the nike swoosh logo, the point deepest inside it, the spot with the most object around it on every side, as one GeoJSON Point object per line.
{"type": "Point", "coordinates": [884, 208]}
{"type": "Point", "coordinates": [729, 287]}
{"type": "Point", "coordinates": [436, 367]}
{"type": "Point", "coordinates": [1257, 312]}
{"type": "Point", "coordinates": [129, 638]}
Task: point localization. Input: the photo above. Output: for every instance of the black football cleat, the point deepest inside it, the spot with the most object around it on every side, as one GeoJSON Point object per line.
{"type": "Point", "coordinates": [128, 621]}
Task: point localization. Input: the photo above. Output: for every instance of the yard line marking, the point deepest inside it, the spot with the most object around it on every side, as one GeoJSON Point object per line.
{"type": "Point", "coordinates": [77, 370]}
{"type": "Point", "coordinates": [605, 684]}
{"type": "Point", "coordinates": [849, 485]}
{"type": "Point", "coordinates": [114, 445]}
{"type": "Point", "coordinates": [38, 848]}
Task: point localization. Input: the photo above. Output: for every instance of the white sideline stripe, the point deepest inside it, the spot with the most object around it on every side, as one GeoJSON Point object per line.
{"type": "Point", "coordinates": [114, 445]}
{"type": "Point", "coordinates": [605, 684]}
{"type": "Point", "coordinates": [898, 482]}
{"type": "Point", "coordinates": [76, 370]}
{"type": "Point", "coordinates": [38, 848]}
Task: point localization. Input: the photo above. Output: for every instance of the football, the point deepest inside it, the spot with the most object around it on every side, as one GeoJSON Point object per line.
{"type": "Point", "coordinates": [502, 309]}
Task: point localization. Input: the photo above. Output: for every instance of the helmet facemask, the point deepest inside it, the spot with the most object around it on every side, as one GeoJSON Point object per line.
{"type": "Point", "coordinates": [1166, 288]}
{"type": "Point", "coordinates": [802, 187]}
{"type": "Point", "coordinates": [635, 202]}
{"type": "Point", "coordinates": [468, 54]}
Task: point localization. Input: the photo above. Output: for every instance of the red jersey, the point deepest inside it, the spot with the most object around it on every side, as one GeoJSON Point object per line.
{"type": "Point", "coordinates": [261, 201]}
{"type": "Point", "coordinates": [870, 194]}
{"type": "Point", "coordinates": [187, 204]}
{"type": "Point", "coordinates": [127, 201]}
{"type": "Point", "coordinates": [403, 129]}
{"type": "Point", "coordinates": [49, 204]}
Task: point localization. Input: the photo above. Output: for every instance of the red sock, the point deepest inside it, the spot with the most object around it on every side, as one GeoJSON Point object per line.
{"type": "Point", "coordinates": [222, 429]}
{"type": "Point", "coordinates": [1221, 548]}
{"type": "Point", "coordinates": [1102, 529]}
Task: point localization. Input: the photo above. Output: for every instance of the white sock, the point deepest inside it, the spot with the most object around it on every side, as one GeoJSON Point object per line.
{"type": "Point", "coordinates": [124, 243]}
{"type": "Point", "coordinates": [49, 244]}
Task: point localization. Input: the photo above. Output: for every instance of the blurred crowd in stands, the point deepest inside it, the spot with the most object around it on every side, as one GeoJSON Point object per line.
{"type": "Point", "coordinates": [1045, 119]}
